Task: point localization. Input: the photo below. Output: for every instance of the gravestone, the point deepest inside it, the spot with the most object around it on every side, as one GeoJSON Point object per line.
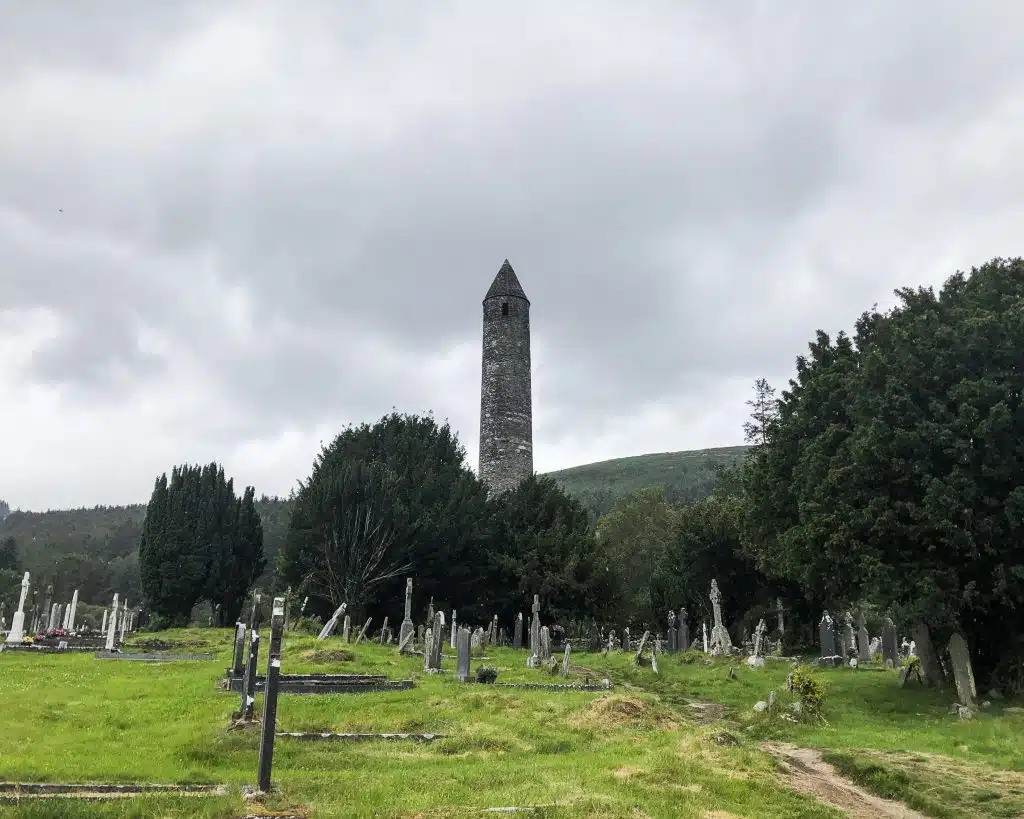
{"type": "Point", "coordinates": [534, 659]}
{"type": "Point", "coordinates": [73, 612]}
{"type": "Point", "coordinates": [890, 651]}
{"type": "Point", "coordinates": [124, 620]}
{"type": "Point", "coordinates": [517, 635]}
{"type": "Point", "coordinates": [492, 637]}
{"type": "Point", "coordinates": [432, 648]}
{"type": "Point", "coordinates": [827, 636]}
{"type": "Point", "coordinates": [565, 660]}
{"type": "Point", "coordinates": [254, 616]}
{"type": "Point", "coordinates": [112, 625]}
{"type": "Point", "coordinates": [673, 632]}
{"type": "Point", "coordinates": [502, 637]}
{"type": "Point", "coordinates": [332, 624]}
{"type": "Point", "coordinates": [683, 640]}
{"type": "Point", "coordinates": [462, 641]}
{"type": "Point", "coordinates": [704, 626]}
{"type": "Point", "coordinates": [627, 642]}
{"type": "Point", "coordinates": [384, 631]}
{"type": "Point", "coordinates": [17, 632]}
{"type": "Point", "coordinates": [455, 629]}
{"type": "Point", "coordinates": [782, 621]}
{"type": "Point", "coordinates": [407, 628]}
{"type": "Point", "coordinates": [963, 673]}
{"type": "Point", "coordinates": [103, 628]}
{"type": "Point", "coordinates": [930, 668]}
{"type": "Point", "coordinates": [65, 617]}
{"type": "Point", "coordinates": [863, 641]}
{"type": "Point", "coordinates": [238, 658]}
{"type": "Point", "coordinates": [346, 628]}
{"type": "Point", "coordinates": [51, 621]}
{"type": "Point", "coordinates": [849, 643]}
{"type": "Point", "coordinates": [364, 630]}
{"type": "Point", "coordinates": [643, 645]}
{"type": "Point", "coordinates": [756, 660]}
{"type": "Point", "coordinates": [721, 643]}
{"type": "Point", "coordinates": [545, 644]}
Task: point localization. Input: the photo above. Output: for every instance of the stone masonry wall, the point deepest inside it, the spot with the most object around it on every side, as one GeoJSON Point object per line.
{"type": "Point", "coordinates": [506, 395]}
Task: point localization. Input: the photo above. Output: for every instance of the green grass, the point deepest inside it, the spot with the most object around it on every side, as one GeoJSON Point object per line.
{"type": "Point", "coordinates": [635, 752]}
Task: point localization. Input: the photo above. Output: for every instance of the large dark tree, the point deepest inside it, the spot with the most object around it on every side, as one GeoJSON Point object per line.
{"type": "Point", "coordinates": [435, 512]}
{"type": "Point", "coordinates": [199, 541]}
{"type": "Point", "coordinates": [540, 543]}
{"type": "Point", "coordinates": [894, 470]}
{"type": "Point", "coordinates": [342, 545]}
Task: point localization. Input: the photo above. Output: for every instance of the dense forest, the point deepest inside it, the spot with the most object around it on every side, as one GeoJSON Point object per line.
{"type": "Point", "coordinates": [96, 549]}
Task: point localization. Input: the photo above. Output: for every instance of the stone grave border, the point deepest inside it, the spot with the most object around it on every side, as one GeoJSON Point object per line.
{"type": "Point", "coordinates": [328, 735]}
{"type": "Point", "coordinates": [153, 658]}
{"type": "Point", "coordinates": [17, 791]}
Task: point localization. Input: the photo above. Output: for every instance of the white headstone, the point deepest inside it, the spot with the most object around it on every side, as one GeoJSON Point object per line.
{"type": "Point", "coordinates": [74, 609]}
{"type": "Point", "coordinates": [17, 632]}
{"type": "Point", "coordinates": [112, 625]}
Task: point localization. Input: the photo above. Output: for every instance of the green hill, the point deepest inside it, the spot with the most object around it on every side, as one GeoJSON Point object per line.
{"type": "Point", "coordinates": [95, 550]}
{"type": "Point", "coordinates": [685, 476]}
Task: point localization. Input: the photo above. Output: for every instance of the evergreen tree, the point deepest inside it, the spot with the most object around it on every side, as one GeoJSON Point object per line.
{"type": "Point", "coordinates": [198, 541]}
{"type": "Point", "coordinates": [540, 543]}
{"type": "Point", "coordinates": [894, 470]}
{"type": "Point", "coordinates": [436, 516]}
{"type": "Point", "coordinates": [341, 545]}
{"type": "Point", "coordinates": [11, 573]}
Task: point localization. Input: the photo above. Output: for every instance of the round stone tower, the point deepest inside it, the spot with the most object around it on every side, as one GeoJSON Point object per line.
{"type": "Point", "coordinates": [506, 395]}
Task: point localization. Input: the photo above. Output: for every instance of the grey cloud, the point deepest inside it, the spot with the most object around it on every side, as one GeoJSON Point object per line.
{"type": "Point", "coordinates": [645, 202]}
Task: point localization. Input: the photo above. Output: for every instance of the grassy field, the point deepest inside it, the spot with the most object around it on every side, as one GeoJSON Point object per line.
{"type": "Point", "coordinates": [641, 750]}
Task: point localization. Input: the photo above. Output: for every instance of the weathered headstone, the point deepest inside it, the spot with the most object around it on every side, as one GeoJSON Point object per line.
{"type": "Point", "coordinates": [756, 660]}
{"type": "Point", "coordinates": [930, 668]}
{"type": "Point", "coordinates": [407, 627]}
{"type": "Point", "coordinates": [643, 644]}
{"type": "Point", "coordinates": [534, 659]}
{"type": "Point", "coordinates": [51, 622]}
{"type": "Point", "coordinates": [849, 638]}
{"type": "Point", "coordinates": [462, 650]}
{"type": "Point", "coordinates": [435, 639]}
{"type": "Point", "coordinates": [779, 612]}
{"type": "Point", "coordinates": [890, 650]}
{"type": "Point", "coordinates": [545, 644]}
{"type": "Point", "coordinates": [384, 631]}
{"type": "Point", "coordinates": [112, 625]}
{"type": "Point", "coordinates": [17, 633]}
{"type": "Point", "coordinates": [364, 630]}
{"type": "Point", "coordinates": [103, 627]}
{"type": "Point", "coordinates": [721, 643]}
{"type": "Point", "coordinates": [627, 641]}
{"type": "Point", "coordinates": [124, 619]}
{"type": "Point", "coordinates": [238, 658]}
{"type": "Point", "coordinates": [517, 635]}
{"type": "Point", "coordinates": [704, 626]}
{"type": "Point", "coordinates": [271, 687]}
{"type": "Point", "coordinates": [963, 673]}
{"type": "Point", "coordinates": [863, 641]}
{"type": "Point", "coordinates": [827, 636]}
{"type": "Point", "coordinates": [346, 628]}
{"type": "Point", "coordinates": [492, 637]}
{"type": "Point", "coordinates": [673, 632]}
{"type": "Point", "coordinates": [332, 624]}
{"type": "Point", "coordinates": [684, 630]}
{"type": "Point", "coordinates": [455, 629]}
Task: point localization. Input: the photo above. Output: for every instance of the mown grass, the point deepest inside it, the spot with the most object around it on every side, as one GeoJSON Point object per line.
{"type": "Point", "coordinates": [637, 751]}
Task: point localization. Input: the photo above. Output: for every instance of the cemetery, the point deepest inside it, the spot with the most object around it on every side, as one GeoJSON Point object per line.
{"type": "Point", "coordinates": [453, 720]}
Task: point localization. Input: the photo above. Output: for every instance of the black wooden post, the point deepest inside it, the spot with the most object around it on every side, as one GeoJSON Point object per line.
{"type": "Point", "coordinates": [249, 683]}
{"type": "Point", "coordinates": [270, 696]}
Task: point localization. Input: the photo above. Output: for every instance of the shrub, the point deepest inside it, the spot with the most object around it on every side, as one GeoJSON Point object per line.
{"type": "Point", "coordinates": [307, 625]}
{"type": "Point", "coordinates": [809, 691]}
{"type": "Point", "coordinates": [486, 674]}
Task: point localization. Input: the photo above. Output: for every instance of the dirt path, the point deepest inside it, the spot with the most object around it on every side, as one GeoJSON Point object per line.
{"type": "Point", "coordinates": [806, 772]}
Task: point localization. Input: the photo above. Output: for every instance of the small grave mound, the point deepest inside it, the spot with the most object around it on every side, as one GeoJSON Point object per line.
{"type": "Point", "coordinates": [338, 655]}
{"type": "Point", "coordinates": [626, 712]}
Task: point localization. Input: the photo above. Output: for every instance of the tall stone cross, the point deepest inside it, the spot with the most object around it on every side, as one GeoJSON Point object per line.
{"type": "Point", "coordinates": [759, 637]}
{"type": "Point", "coordinates": [17, 632]}
{"type": "Point", "coordinates": [407, 629]}
{"type": "Point", "coordinates": [721, 643]}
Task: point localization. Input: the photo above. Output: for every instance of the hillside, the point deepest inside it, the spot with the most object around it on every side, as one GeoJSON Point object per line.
{"type": "Point", "coordinates": [685, 476]}
{"type": "Point", "coordinates": [95, 550]}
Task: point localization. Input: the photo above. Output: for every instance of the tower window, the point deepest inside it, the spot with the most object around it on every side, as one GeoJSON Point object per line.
{"type": "Point", "coordinates": [504, 308]}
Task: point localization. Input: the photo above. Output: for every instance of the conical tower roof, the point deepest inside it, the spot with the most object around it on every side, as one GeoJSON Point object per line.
{"type": "Point", "coordinates": [506, 284]}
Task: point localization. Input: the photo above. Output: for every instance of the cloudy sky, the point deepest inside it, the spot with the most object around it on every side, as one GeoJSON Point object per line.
{"type": "Point", "coordinates": [229, 228]}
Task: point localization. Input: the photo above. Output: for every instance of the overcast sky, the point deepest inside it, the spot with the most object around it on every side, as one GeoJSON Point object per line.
{"type": "Point", "coordinates": [227, 229]}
